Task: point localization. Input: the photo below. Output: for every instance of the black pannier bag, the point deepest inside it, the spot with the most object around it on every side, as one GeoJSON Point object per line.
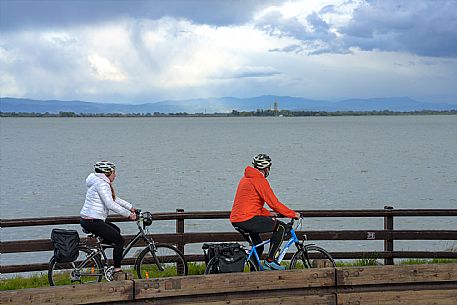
{"type": "Point", "coordinates": [66, 244]}
{"type": "Point", "coordinates": [230, 257]}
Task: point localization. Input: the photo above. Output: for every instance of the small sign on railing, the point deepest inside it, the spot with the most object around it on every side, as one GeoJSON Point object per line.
{"type": "Point", "coordinates": [371, 235]}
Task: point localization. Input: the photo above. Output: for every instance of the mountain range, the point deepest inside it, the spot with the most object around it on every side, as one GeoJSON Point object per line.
{"type": "Point", "coordinates": [221, 105]}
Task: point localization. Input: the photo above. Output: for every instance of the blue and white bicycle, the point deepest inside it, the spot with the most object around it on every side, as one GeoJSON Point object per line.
{"type": "Point", "coordinates": [306, 256]}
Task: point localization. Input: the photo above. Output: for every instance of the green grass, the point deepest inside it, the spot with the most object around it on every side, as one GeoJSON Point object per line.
{"type": "Point", "coordinates": [358, 263]}
{"type": "Point", "coordinates": [19, 282]}
{"type": "Point", "coordinates": [196, 268]}
{"type": "Point", "coordinates": [433, 260]}
{"type": "Point", "coordinates": [428, 261]}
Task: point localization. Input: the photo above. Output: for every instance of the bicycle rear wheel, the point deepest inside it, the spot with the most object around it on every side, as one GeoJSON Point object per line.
{"type": "Point", "coordinates": [249, 266]}
{"type": "Point", "coordinates": [171, 260]}
{"type": "Point", "coordinates": [85, 269]}
{"type": "Point", "coordinates": [311, 257]}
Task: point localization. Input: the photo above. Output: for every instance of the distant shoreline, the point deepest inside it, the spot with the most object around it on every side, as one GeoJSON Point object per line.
{"type": "Point", "coordinates": [234, 113]}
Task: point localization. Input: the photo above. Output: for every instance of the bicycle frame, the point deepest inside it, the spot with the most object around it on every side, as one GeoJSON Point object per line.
{"type": "Point", "coordinates": [140, 235]}
{"type": "Point", "coordinates": [137, 237]}
{"type": "Point", "coordinates": [293, 240]}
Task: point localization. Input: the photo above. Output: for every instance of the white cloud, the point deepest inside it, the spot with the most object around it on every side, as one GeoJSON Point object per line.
{"type": "Point", "coordinates": [59, 39]}
{"type": "Point", "coordinates": [9, 86]}
{"type": "Point", "coordinates": [104, 69]}
{"type": "Point", "coordinates": [7, 57]}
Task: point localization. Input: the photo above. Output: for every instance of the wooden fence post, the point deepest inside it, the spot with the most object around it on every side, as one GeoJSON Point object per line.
{"type": "Point", "coordinates": [180, 230]}
{"type": "Point", "coordinates": [388, 243]}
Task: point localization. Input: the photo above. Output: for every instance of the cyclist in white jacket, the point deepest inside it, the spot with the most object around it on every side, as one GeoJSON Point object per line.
{"type": "Point", "coordinates": [100, 199]}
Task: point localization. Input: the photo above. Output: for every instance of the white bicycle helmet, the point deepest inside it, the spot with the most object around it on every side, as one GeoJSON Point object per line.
{"type": "Point", "coordinates": [104, 167]}
{"type": "Point", "coordinates": [261, 161]}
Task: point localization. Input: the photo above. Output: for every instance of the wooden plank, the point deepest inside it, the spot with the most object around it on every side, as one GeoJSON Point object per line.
{"type": "Point", "coordinates": [333, 235]}
{"type": "Point", "coordinates": [25, 222]}
{"type": "Point", "coordinates": [70, 294]}
{"type": "Point", "coordinates": [379, 213]}
{"type": "Point", "coordinates": [380, 235]}
{"type": "Point", "coordinates": [233, 282]}
{"type": "Point", "coordinates": [396, 274]}
{"type": "Point", "coordinates": [409, 297]}
{"type": "Point", "coordinates": [284, 300]}
{"type": "Point", "coordinates": [188, 238]}
{"type": "Point", "coordinates": [35, 245]}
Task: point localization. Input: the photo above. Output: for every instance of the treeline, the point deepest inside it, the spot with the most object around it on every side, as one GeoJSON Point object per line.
{"type": "Point", "coordinates": [234, 113]}
{"type": "Point", "coordinates": [294, 113]}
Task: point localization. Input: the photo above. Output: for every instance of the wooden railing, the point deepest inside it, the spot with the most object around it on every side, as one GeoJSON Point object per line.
{"type": "Point", "coordinates": [180, 238]}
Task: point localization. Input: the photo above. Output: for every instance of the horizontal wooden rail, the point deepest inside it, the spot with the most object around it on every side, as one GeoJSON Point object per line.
{"type": "Point", "coordinates": [27, 222]}
{"type": "Point", "coordinates": [386, 285]}
{"type": "Point", "coordinates": [201, 237]}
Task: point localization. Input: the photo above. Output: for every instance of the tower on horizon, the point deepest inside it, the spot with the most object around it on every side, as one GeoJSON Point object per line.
{"type": "Point", "coordinates": [275, 107]}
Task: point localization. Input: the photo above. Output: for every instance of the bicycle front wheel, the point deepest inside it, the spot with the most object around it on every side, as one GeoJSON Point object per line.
{"type": "Point", "coordinates": [85, 269]}
{"type": "Point", "coordinates": [164, 260]}
{"type": "Point", "coordinates": [213, 268]}
{"type": "Point", "coordinates": [311, 257]}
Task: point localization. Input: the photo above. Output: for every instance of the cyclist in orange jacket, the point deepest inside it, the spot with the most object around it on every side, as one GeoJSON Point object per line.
{"type": "Point", "coordinates": [249, 214]}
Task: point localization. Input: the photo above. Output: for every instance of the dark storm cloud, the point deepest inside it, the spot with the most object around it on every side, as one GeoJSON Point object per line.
{"type": "Point", "coordinates": [427, 28]}
{"type": "Point", "coordinates": [255, 72]}
{"type": "Point", "coordinates": [290, 48]}
{"type": "Point", "coordinates": [20, 14]}
{"type": "Point", "coordinates": [274, 23]}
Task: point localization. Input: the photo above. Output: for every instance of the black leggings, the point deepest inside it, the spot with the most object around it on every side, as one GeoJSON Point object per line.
{"type": "Point", "coordinates": [110, 234]}
{"type": "Point", "coordinates": [263, 224]}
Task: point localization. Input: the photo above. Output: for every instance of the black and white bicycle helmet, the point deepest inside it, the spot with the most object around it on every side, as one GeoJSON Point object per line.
{"type": "Point", "coordinates": [261, 161]}
{"type": "Point", "coordinates": [105, 167]}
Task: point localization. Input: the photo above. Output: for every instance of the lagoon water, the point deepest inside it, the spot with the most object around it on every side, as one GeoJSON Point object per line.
{"type": "Point", "coordinates": [367, 162]}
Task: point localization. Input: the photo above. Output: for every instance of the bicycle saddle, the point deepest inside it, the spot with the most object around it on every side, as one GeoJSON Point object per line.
{"type": "Point", "coordinates": [245, 234]}
{"type": "Point", "coordinates": [102, 242]}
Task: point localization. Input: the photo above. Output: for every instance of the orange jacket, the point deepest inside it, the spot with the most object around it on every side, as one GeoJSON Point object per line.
{"type": "Point", "coordinates": [252, 193]}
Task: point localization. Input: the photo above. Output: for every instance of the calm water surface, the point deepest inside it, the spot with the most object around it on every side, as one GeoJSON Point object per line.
{"type": "Point", "coordinates": [195, 164]}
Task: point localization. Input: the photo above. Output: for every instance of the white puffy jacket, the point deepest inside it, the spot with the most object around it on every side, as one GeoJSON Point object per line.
{"type": "Point", "coordinates": [99, 200]}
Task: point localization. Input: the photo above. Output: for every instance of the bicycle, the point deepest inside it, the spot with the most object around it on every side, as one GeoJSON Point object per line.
{"type": "Point", "coordinates": [92, 265]}
{"type": "Point", "coordinates": [306, 256]}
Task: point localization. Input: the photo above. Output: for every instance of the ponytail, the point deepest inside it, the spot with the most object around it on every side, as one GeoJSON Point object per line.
{"type": "Point", "coordinates": [113, 193]}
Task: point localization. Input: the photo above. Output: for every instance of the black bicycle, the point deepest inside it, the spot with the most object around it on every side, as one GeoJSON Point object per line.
{"type": "Point", "coordinates": [92, 265]}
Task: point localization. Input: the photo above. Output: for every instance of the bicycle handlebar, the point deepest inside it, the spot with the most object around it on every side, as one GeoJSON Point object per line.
{"type": "Point", "coordinates": [292, 220]}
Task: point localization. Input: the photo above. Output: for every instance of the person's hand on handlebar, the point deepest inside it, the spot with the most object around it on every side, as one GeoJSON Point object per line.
{"type": "Point", "coordinates": [274, 214]}
{"type": "Point", "coordinates": [134, 214]}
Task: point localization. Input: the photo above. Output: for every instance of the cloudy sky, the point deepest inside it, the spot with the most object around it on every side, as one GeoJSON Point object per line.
{"type": "Point", "coordinates": [146, 51]}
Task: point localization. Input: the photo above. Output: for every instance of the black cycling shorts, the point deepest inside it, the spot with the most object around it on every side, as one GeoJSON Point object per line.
{"type": "Point", "coordinates": [258, 224]}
